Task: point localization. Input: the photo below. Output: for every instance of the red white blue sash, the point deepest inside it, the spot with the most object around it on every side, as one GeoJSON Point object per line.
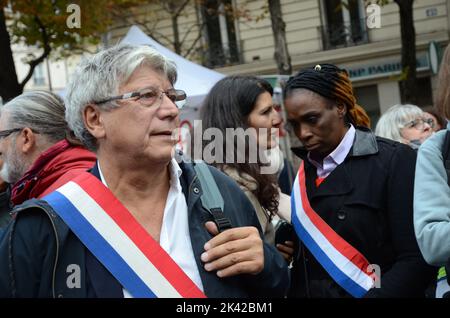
{"type": "Point", "coordinates": [348, 267]}
{"type": "Point", "coordinates": [118, 241]}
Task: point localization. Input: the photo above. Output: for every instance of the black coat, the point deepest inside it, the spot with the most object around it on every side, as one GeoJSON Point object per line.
{"type": "Point", "coordinates": [368, 201]}
{"type": "Point", "coordinates": [38, 248]}
{"type": "Point", "coordinates": [5, 208]}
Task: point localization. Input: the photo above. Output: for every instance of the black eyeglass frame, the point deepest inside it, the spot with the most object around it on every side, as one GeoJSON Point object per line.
{"type": "Point", "coordinates": [7, 132]}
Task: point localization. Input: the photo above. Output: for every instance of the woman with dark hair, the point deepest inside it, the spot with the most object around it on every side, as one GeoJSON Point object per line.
{"type": "Point", "coordinates": [240, 103]}
{"type": "Point", "coordinates": [352, 198]}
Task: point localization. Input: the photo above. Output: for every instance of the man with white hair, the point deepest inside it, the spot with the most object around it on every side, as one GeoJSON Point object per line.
{"type": "Point", "coordinates": [38, 153]}
{"type": "Point", "coordinates": [140, 223]}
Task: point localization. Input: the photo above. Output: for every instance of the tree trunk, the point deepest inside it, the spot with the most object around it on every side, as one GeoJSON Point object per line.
{"type": "Point", "coordinates": [176, 35]}
{"type": "Point", "coordinates": [282, 56]}
{"type": "Point", "coordinates": [408, 87]}
{"type": "Point", "coordinates": [9, 86]}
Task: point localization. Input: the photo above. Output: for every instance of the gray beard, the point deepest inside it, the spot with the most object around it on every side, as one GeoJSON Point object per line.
{"type": "Point", "coordinates": [4, 173]}
{"type": "Point", "coordinates": [12, 173]}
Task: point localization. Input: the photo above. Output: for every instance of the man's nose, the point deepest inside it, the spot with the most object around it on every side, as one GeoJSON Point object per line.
{"type": "Point", "coordinates": [168, 108]}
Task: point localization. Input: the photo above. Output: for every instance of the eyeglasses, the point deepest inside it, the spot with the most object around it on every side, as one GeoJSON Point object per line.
{"type": "Point", "coordinates": [151, 96]}
{"type": "Point", "coordinates": [419, 123]}
{"type": "Point", "coordinates": [6, 133]}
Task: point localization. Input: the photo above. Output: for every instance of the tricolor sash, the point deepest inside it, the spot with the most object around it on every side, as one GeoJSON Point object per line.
{"type": "Point", "coordinates": [348, 267]}
{"type": "Point", "coordinates": [118, 241]}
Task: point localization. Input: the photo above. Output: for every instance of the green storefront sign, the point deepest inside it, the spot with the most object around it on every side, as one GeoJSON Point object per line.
{"type": "Point", "coordinates": [385, 68]}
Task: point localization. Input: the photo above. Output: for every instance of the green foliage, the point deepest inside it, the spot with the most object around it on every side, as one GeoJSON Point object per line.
{"type": "Point", "coordinates": [43, 23]}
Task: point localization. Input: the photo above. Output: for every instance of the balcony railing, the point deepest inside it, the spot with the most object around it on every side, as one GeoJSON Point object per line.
{"type": "Point", "coordinates": [344, 34]}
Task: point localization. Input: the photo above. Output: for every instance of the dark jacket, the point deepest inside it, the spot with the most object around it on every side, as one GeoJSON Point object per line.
{"type": "Point", "coordinates": [38, 248]}
{"type": "Point", "coordinates": [5, 208]}
{"type": "Point", "coordinates": [368, 201]}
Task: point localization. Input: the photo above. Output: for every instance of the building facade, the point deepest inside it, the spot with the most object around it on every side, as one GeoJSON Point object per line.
{"type": "Point", "coordinates": [320, 31]}
{"type": "Point", "coordinates": [235, 37]}
{"type": "Point", "coordinates": [342, 32]}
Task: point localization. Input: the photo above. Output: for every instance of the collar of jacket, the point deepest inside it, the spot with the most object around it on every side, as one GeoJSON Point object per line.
{"type": "Point", "coordinates": [365, 143]}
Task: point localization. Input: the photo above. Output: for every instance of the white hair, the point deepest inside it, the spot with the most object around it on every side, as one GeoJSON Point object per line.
{"type": "Point", "coordinates": [100, 77]}
{"type": "Point", "coordinates": [394, 119]}
{"type": "Point", "coordinates": [41, 111]}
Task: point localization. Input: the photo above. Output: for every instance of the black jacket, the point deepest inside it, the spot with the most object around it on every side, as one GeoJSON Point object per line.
{"type": "Point", "coordinates": [5, 208]}
{"type": "Point", "coordinates": [368, 201]}
{"type": "Point", "coordinates": [38, 248]}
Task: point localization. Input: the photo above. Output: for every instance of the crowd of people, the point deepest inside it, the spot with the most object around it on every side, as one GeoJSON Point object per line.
{"type": "Point", "coordinates": [94, 185]}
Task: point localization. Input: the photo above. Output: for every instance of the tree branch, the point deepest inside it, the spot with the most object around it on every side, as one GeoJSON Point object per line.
{"type": "Point", "coordinates": [193, 45]}
{"type": "Point", "coordinates": [40, 59]}
{"type": "Point", "coordinates": [181, 8]}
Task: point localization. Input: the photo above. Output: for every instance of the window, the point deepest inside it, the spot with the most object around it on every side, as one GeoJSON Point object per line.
{"type": "Point", "coordinates": [220, 34]}
{"type": "Point", "coordinates": [38, 75]}
{"type": "Point", "coordinates": [344, 23]}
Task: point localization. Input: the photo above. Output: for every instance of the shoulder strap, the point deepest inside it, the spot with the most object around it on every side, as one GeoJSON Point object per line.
{"type": "Point", "coordinates": [446, 154]}
{"type": "Point", "coordinates": [211, 198]}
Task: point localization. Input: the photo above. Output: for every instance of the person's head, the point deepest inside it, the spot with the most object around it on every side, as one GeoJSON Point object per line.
{"type": "Point", "coordinates": [29, 124]}
{"type": "Point", "coordinates": [245, 102]}
{"type": "Point", "coordinates": [443, 86]}
{"type": "Point", "coordinates": [320, 105]}
{"type": "Point", "coordinates": [432, 113]}
{"type": "Point", "coordinates": [121, 102]}
{"type": "Point", "coordinates": [405, 124]}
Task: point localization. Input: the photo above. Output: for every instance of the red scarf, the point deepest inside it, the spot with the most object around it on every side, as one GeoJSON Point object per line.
{"type": "Point", "coordinates": [53, 168]}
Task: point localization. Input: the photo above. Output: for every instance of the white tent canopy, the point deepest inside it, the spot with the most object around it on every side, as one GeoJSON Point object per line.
{"type": "Point", "coordinates": [194, 79]}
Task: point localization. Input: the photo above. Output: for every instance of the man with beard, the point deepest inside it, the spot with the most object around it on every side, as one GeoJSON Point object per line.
{"type": "Point", "coordinates": [38, 153]}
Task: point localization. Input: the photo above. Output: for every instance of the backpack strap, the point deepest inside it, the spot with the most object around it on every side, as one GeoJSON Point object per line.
{"type": "Point", "coordinates": [446, 155]}
{"type": "Point", "coordinates": [211, 198]}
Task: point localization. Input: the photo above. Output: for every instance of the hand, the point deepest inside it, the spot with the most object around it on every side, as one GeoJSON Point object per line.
{"type": "Point", "coordinates": [233, 252]}
{"type": "Point", "coordinates": [286, 250]}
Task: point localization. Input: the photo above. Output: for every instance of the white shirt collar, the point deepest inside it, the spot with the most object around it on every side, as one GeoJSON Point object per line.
{"type": "Point", "coordinates": [175, 173]}
{"type": "Point", "coordinates": [339, 154]}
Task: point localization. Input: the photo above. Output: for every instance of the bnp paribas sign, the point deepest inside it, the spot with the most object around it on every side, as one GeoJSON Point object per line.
{"type": "Point", "coordinates": [385, 68]}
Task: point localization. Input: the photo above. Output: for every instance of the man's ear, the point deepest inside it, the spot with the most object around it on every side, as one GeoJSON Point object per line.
{"type": "Point", "coordinates": [341, 109]}
{"type": "Point", "coordinates": [27, 140]}
{"type": "Point", "coordinates": [93, 121]}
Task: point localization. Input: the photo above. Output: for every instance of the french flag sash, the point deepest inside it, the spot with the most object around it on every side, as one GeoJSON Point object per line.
{"type": "Point", "coordinates": [348, 267]}
{"type": "Point", "coordinates": [118, 241]}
